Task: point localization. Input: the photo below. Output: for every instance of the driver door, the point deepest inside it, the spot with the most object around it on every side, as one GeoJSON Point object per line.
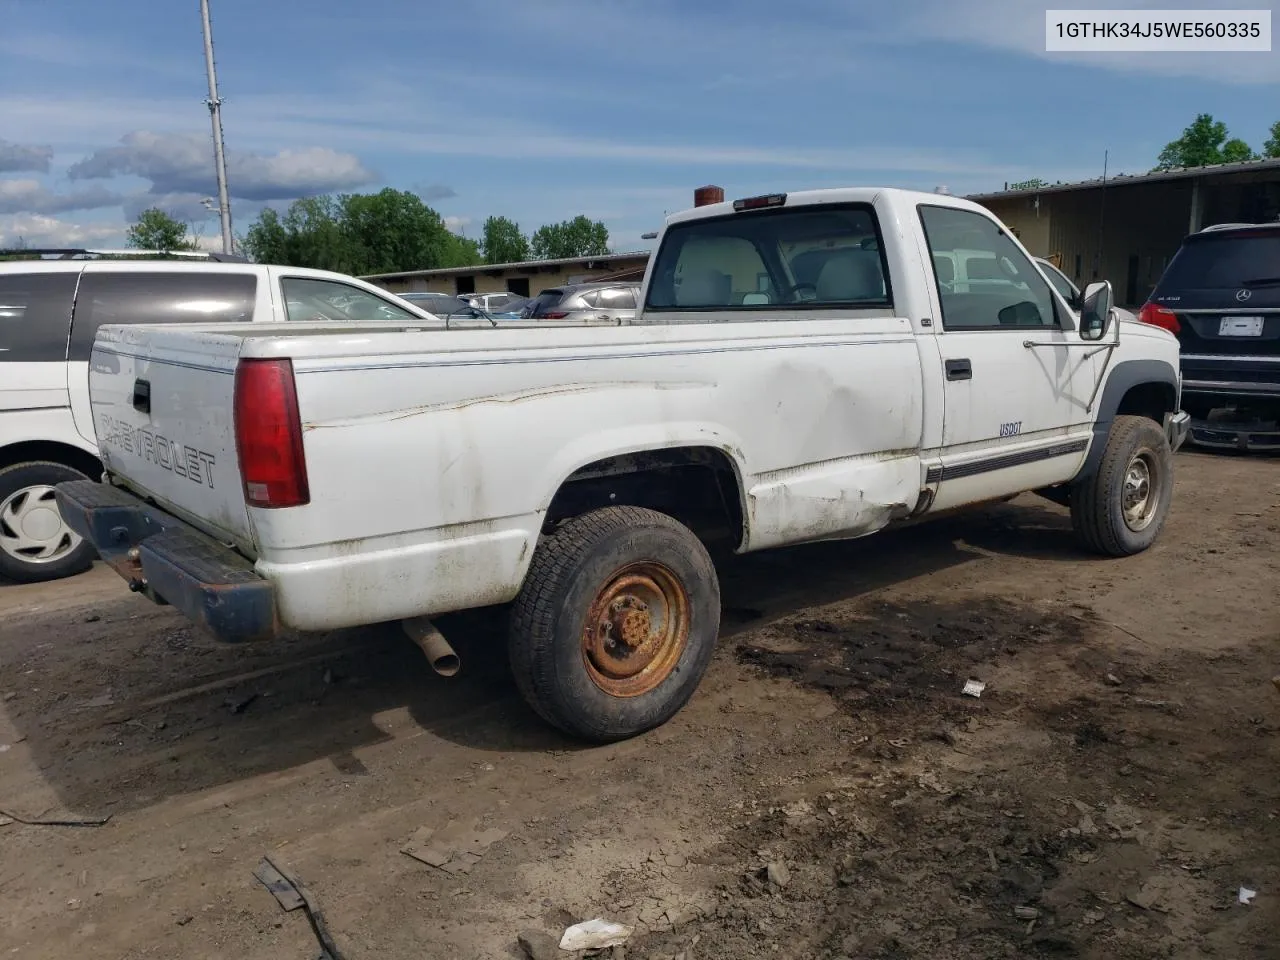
{"type": "Point", "coordinates": [1018, 379]}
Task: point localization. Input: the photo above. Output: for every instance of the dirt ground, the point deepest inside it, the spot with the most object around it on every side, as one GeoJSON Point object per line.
{"type": "Point", "coordinates": [828, 792]}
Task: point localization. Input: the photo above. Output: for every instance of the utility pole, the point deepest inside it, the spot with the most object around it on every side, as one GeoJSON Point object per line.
{"type": "Point", "coordinates": [1102, 215]}
{"type": "Point", "coordinates": [215, 117]}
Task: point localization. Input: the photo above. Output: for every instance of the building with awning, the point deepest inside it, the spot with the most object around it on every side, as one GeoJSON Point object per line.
{"type": "Point", "coordinates": [1126, 228]}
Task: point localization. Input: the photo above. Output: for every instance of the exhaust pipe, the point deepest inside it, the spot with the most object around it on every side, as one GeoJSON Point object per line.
{"type": "Point", "coordinates": [440, 654]}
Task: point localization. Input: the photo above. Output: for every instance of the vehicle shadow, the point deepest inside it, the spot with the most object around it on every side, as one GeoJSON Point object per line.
{"type": "Point", "coordinates": [121, 708]}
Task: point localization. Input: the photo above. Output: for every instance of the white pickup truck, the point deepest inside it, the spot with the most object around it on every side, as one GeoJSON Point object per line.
{"type": "Point", "coordinates": [797, 371]}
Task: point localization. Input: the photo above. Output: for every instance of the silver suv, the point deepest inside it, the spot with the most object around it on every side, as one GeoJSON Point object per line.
{"type": "Point", "coordinates": [586, 302]}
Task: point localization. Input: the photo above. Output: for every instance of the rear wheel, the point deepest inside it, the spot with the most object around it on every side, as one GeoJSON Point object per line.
{"type": "Point", "coordinates": [1121, 509]}
{"type": "Point", "coordinates": [35, 542]}
{"type": "Point", "coordinates": [616, 623]}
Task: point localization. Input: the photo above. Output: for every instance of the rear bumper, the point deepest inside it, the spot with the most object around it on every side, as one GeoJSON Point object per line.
{"type": "Point", "coordinates": [1231, 389]}
{"type": "Point", "coordinates": [1229, 376]}
{"type": "Point", "coordinates": [171, 562]}
{"type": "Point", "coordinates": [1224, 435]}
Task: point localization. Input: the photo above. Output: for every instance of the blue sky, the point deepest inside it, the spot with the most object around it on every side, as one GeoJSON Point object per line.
{"type": "Point", "coordinates": [543, 109]}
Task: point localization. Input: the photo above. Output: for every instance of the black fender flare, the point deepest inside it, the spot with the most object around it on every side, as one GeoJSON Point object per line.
{"type": "Point", "coordinates": [1122, 378]}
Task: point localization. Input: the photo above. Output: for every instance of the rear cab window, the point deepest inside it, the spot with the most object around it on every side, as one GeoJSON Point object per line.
{"type": "Point", "coordinates": [35, 315]}
{"type": "Point", "coordinates": [800, 258]}
{"type": "Point", "coordinates": [138, 297]}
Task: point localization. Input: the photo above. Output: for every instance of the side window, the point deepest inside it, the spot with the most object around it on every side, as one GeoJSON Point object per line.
{"type": "Point", "coordinates": [591, 298]}
{"type": "Point", "coordinates": [618, 298]}
{"type": "Point", "coordinates": [169, 297]}
{"type": "Point", "coordinates": [1060, 283]}
{"type": "Point", "coordinates": [805, 258]}
{"type": "Point", "coordinates": [35, 315]}
{"type": "Point", "coordinates": [307, 299]}
{"type": "Point", "coordinates": [999, 286]}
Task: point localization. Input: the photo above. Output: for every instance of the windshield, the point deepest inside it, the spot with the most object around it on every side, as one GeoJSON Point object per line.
{"type": "Point", "coordinates": [1208, 262]}
{"type": "Point", "coordinates": [1060, 283]}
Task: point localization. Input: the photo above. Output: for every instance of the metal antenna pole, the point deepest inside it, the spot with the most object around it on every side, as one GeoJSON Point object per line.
{"type": "Point", "coordinates": [215, 117]}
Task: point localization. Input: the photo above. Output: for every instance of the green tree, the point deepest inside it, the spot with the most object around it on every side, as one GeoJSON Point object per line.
{"type": "Point", "coordinates": [156, 230]}
{"type": "Point", "coordinates": [578, 237]}
{"type": "Point", "coordinates": [503, 241]}
{"type": "Point", "coordinates": [1271, 148]}
{"type": "Point", "coordinates": [384, 232]}
{"type": "Point", "coordinates": [1204, 142]}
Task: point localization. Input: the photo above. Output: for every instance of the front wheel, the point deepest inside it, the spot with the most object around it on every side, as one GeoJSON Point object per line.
{"type": "Point", "coordinates": [35, 542]}
{"type": "Point", "coordinates": [1120, 510]}
{"type": "Point", "coordinates": [615, 624]}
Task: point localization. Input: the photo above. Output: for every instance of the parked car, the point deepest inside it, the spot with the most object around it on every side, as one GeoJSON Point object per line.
{"type": "Point", "coordinates": [495, 304]}
{"type": "Point", "coordinates": [1073, 294]}
{"type": "Point", "coordinates": [580, 474]}
{"type": "Point", "coordinates": [1220, 296]}
{"type": "Point", "coordinates": [440, 304]}
{"type": "Point", "coordinates": [49, 313]}
{"type": "Point", "coordinates": [514, 309]}
{"type": "Point", "coordinates": [450, 307]}
{"type": "Point", "coordinates": [585, 302]}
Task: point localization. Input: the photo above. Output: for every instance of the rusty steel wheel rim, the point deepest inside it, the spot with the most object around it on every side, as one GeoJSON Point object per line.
{"type": "Point", "coordinates": [636, 630]}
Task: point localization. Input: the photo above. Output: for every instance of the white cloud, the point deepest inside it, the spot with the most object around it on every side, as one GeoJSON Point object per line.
{"type": "Point", "coordinates": [186, 207]}
{"type": "Point", "coordinates": [37, 230]}
{"type": "Point", "coordinates": [457, 224]}
{"type": "Point", "coordinates": [209, 242]}
{"type": "Point", "coordinates": [31, 196]}
{"type": "Point", "coordinates": [21, 157]}
{"type": "Point", "coordinates": [183, 163]}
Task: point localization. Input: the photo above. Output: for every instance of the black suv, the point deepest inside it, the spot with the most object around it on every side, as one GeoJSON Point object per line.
{"type": "Point", "coordinates": [1220, 296]}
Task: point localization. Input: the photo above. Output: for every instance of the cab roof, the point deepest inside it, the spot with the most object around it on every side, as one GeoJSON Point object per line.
{"type": "Point", "coordinates": [832, 195]}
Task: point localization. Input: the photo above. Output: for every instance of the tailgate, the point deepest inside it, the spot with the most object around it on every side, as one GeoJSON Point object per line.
{"type": "Point", "coordinates": [162, 409]}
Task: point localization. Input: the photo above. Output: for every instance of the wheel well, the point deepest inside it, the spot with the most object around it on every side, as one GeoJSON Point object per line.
{"type": "Point", "coordinates": [31, 451]}
{"type": "Point", "coordinates": [697, 486]}
{"type": "Point", "coordinates": [1151, 400]}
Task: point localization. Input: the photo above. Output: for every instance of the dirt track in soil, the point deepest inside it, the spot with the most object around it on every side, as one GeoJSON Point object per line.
{"type": "Point", "coordinates": [1116, 783]}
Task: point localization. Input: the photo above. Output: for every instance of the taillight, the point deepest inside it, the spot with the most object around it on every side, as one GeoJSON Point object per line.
{"type": "Point", "coordinates": [269, 435]}
{"type": "Point", "coordinates": [553, 315]}
{"type": "Point", "coordinates": [1159, 317]}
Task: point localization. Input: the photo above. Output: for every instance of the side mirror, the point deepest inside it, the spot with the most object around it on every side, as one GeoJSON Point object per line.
{"type": "Point", "coordinates": [1095, 310]}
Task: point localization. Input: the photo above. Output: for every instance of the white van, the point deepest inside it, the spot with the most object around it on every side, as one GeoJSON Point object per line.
{"type": "Point", "coordinates": [50, 310]}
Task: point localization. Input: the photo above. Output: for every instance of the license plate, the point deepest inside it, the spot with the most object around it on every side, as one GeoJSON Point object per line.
{"type": "Point", "coordinates": [1240, 327]}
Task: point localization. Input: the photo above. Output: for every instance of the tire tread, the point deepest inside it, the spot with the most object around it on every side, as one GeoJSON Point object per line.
{"type": "Point", "coordinates": [1094, 522]}
{"type": "Point", "coordinates": [533, 613]}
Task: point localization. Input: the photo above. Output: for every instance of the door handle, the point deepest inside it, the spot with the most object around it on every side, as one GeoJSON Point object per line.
{"type": "Point", "coordinates": [960, 369]}
{"type": "Point", "coordinates": [142, 396]}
